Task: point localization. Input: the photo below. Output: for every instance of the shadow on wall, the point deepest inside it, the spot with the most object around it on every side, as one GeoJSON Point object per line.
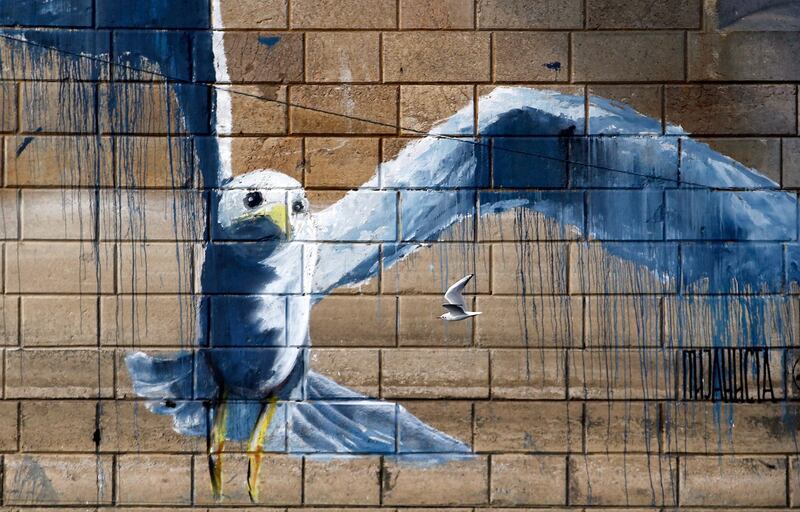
{"type": "Point", "coordinates": [770, 15]}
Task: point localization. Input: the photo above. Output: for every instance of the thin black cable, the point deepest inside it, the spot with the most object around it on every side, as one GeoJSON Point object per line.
{"type": "Point", "coordinates": [353, 118]}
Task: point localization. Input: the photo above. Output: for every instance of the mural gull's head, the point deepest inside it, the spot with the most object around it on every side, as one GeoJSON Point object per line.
{"type": "Point", "coordinates": [262, 205]}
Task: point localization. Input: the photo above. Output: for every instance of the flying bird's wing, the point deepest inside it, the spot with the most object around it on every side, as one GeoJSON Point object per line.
{"type": "Point", "coordinates": [454, 294]}
{"type": "Point", "coordinates": [456, 309]}
{"type": "Point", "coordinates": [539, 140]}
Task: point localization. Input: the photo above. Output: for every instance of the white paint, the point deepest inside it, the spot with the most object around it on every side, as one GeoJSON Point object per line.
{"type": "Point", "coordinates": [224, 109]}
{"type": "Point", "coordinates": [216, 15]}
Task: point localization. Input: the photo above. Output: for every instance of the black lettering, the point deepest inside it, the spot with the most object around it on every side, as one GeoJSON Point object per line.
{"type": "Point", "coordinates": [716, 378]}
{"type": "Point", "coordinates": [768, 378]}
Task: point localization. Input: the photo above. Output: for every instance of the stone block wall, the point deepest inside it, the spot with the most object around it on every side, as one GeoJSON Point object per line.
{"type": "Point", "coordinates": [119, 120]}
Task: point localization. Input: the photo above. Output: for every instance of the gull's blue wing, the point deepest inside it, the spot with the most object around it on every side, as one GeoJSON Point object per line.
{"type": "Point", "coordinates": [595, 172]}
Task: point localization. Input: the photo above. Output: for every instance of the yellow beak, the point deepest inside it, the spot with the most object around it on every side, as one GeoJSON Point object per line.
{"type": "Point", "coordinates": [280, 217]}
{"type": "Point", "coordinates": [277, 214]}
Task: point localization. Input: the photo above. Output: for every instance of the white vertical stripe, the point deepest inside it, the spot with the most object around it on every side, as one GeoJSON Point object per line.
{"type": "Point", "coordinates": [224, 125]}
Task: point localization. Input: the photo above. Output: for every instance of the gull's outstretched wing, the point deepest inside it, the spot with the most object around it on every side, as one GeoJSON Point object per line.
{"type": "Point", "coordinates": [612, 176]}
{"type": "Point", "coordinates": [456, 309]}
{"type": "Point", "coordinates": [454, 294]}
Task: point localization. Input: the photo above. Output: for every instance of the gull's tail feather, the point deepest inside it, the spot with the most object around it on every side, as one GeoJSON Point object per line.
{"type": "Point", "coordinates": [335, 419]}
{"type": "Point", "coordinates": [332, 419]}
{"type": "Point", "coordinates": [168, 381]}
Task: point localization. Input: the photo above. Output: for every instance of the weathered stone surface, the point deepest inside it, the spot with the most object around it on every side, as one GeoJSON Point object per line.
{"type": "Point", "coordinates": [760, 481]}
{"type": "Point", "coordinates": [530, 14]}
{"type": "Point", "coordinates": [155, 479]}
{"type": "Point", "coordinates": [528, 480]}
{"type": "Point", "coordinates": [343, 109]}
{"type": "Point", "coordinates": [283, 154]}
{"type": "Point", "coordinates": [59, 321]}
{"type": "Point", "coordinates": [623, 480]}
{"type": "Point", "coordinates": [461, 481]}
{"type": "Point", "coordinates": [58, 479]}
{"type": "Point", "coordinates": [453, 417]}
{"type": "Point", "coordinates": [627, 56]}
{"type": "Point", "coordinates": [445, 14]}
{"type": "Point", "coordinates": [343, 57]}
{"type": "Point", "coordinates": [744, 56]}
{"type": "Point", "coordinates": [374, 14]}
{"type": "Point", "coordinates": [252, 115]}
{"type": "Point", "coordinates": [733, 109]}
{"type": "Point", "coordinates": [79, 373]}
{"type": "Point", "coordinates": [354, 322]}
{"type": "Point", "coordinates": [340, 162]}
{"type": "Point", "coordinates": [343, 481]}
{"type": "Point", "coordinates": [541, 427]}
{"type": "Point", "coordinates": [531, 56]}
{"type": "Point", "coordinates": [527, 322]}
{"type": "Point", "coordinates": [424, 106]}
{"type": "Point", "coordinates": [264, 57]}
{"type": "Point", "coordinates": [619, 427]}
{"type": "Point", "coordinates": [60, 267]}
{"type": "Point", "coordinates": [431, 373]}
{"type": "Point", "coordinates": [252, 14]}
{"type": "Point", "coordinates": [358, 369]}
{"type": "Point", "coordinates": [791, 163]}
{"type": "Point", "coordinates": [641, 14]}
{"type": "Point", "coordinates": [528, 374]}
{"type": "Point", "coordinates": [436, 57]}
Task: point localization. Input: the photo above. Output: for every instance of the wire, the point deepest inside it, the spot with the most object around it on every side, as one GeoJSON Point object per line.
{"type": "Point", "coordinates": [353, 118]}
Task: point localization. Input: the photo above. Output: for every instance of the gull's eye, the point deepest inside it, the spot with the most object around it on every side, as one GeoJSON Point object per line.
{"type": "Point", "coordinates": [253, 199]}
{"type": "Point", "coordinates": [298, 206]}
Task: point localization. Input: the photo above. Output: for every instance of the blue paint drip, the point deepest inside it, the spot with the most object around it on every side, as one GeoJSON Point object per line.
{"type": "Point", "coordinates": [26, 142]}
{"type": "Point", "coordinates": [554, 66]}
{"type": "Point", "coordinates": [269, 41]}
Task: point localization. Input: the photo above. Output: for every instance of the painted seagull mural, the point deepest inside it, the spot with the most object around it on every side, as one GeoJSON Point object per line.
{"type": "Point", "coordinates": [270, 259]}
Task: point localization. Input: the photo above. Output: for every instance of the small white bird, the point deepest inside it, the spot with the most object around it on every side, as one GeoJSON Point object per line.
{"type": "Point", "coordinates": [456, 306]}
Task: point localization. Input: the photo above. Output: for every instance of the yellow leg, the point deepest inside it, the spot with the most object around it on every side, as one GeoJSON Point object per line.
{"type": "Point", "coordinates": [255, 447]}
{"type": "Point", "coordinates": [215, 446]}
